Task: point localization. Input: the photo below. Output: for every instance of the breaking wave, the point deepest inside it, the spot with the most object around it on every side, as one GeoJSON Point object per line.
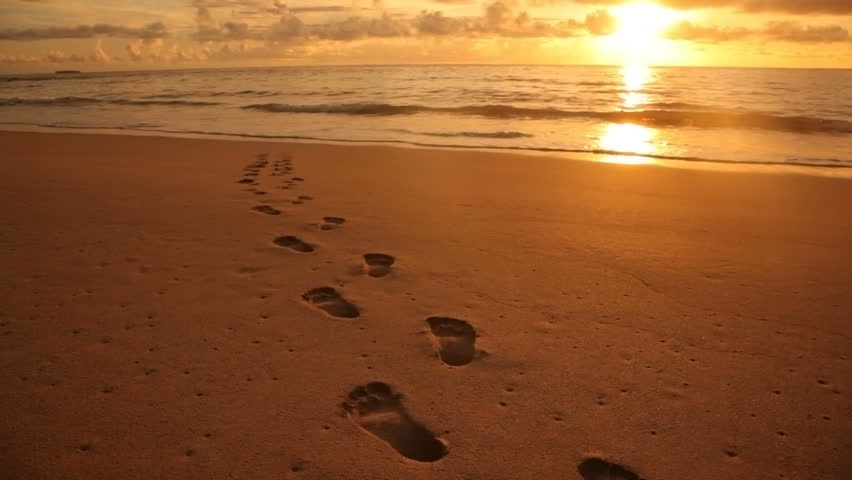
{"type": "Point", "coordinates": [678, 115]}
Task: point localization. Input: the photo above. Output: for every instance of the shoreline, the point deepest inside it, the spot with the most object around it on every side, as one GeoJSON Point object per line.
{"type": "Point", "coordinates": [628, 159]}
{"type": "Point", "coordinates": [197, 309]}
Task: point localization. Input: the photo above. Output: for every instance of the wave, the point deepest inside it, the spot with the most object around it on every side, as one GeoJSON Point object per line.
{"type": "Point", "coordinates": [797, 162]}
{"type": "Point", "coordinates": [80, 101]}
{"type": "Point", "coordinates": [500, 134]}
{"type": "Point", "coordinates": [677, 106]}
{"type": "Point", "coordinates": [654, 117]}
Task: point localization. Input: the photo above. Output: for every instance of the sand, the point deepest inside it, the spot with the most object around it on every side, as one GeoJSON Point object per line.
{"type": "Point", "coordinates": [182, 308]}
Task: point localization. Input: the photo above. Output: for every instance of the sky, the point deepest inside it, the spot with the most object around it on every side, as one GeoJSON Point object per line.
{"type": "Point", "coordinates": [48, 35]}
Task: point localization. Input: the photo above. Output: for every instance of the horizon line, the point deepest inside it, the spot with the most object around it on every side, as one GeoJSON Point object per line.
{"type": "Point", "coordinates": [355, 65]}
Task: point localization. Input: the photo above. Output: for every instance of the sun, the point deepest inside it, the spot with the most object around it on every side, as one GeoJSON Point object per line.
{"type": "Point", "coordinates": [639, 35]}
{"type": "Point", "coordinates": [642, 21]}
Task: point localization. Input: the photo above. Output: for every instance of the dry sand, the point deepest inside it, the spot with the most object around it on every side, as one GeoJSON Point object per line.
{"type": "Point", "coordinates": [156, 324]}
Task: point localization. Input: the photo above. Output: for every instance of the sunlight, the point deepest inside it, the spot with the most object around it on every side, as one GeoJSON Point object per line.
{"type": "Point", "coordinates": [628, 138]}
{"type": "Point", "coordinates": [635, 77]}
{"type": "Point", "coordinates": [638, 37]}
{"type": "Point", "coordinates": [641, 21]}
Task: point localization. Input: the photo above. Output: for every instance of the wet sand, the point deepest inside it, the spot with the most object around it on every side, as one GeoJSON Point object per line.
{"type": "Point", "coordinates": [176, 308]}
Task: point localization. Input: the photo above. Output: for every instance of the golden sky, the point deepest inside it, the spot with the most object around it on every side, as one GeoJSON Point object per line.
{"type": "Point", "coordinates": [45, 35]}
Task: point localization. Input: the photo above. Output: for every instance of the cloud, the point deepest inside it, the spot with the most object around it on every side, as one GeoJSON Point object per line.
{"type": "Point", "coordinates": [796, 32]}
{"type": "Point", "coordinates": [60, 57]}
{"type": "Point", "coordinates": [601, 22]}
{"type": "Point", "coordinates": [100, 55]}
{"type": "Point", "coordinates": [775, 31]}
{"type": "Point", "coordinates": [500, 18]}
{"type": "Point", "coordinates": [829, 7]}
{"type": "Point", "coordinates": [149, 32]}
{"type": "Point", "coordinates": [686, 30]}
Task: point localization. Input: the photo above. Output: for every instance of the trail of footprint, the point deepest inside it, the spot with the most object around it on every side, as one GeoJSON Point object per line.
{"type": "Point", "coordinates": [331, 302]}
{"type": "Point", "coordinates": [378, 264]}
{"type": "Point", "coordinates": [293, 243]}
{"type": "Point", "coordinates": [379, 411]}
{"type": "Point", "coordinates": [330, 223]}
{"type": "Point", "coordinates": [454, 340]}
{"type": "Point", "coordinates": [267, 210]}
{"type": "Point", "coordinates": [598, 469]}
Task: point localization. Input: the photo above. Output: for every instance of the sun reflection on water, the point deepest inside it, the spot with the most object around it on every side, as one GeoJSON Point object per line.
{"type": "Point", "coordinates": [635, 77]}
{"type": "Point", "coordinates": [628, 137]}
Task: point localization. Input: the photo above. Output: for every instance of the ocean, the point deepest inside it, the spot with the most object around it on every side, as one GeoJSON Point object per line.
{"type": "Point", "coordinates": [631, 114]}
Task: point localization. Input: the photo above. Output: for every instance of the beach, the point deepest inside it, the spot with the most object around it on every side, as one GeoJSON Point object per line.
{"type": "Point", "coordinates": [515, 315]}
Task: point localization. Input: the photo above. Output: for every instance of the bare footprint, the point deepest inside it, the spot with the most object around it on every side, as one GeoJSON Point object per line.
{"type": "Point", "coordinates": [454, 340]}
{"type": "Point", "coordinates": [266, 209]}
{"type": "Point", "coordinates": [294, 243]}
{"type": "Point", "coordinates": [330, 223]}
{"type": "Point", "coordinates": [598, 469]}
{"type": "Point", "coordinates": [379, 411]}
{"type": "Point", "coordinates": [331, 302]}
{"type": "Point", "coordinates": [378, 264]}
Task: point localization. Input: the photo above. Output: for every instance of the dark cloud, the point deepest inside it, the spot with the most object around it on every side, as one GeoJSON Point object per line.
{"type": "Point", "coordinates": [327, 8]}
{"type": "Point", "coordinates": [151, 31]}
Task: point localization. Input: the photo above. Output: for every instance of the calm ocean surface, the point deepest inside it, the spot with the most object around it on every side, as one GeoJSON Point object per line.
{"type": "Point", "coordinates": [633, 114]}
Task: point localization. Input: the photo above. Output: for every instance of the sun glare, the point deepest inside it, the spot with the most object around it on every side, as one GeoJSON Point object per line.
{"type": "Point", "coordinates": [628, 138]}
{"type": "Point", "coordinates": [639, 22]}
{"type": "Point", "coordinates": [639, 35]}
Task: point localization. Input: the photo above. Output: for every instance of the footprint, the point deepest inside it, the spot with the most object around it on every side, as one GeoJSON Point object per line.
{"type": "Point", "coordinates": [267, 210]}
{"type": "Point", "coordinates": [293, 243]}
{"type": "Point", "coordinates": [597, 469]}
{"type": "Point", "coordinates": [246, 180]}
{"type": "Point", "coordinates": [378, 410]}
{"type": "Point", "coordinates": [305, 197]}
{"type": "Point", "coordinates": [330, 223]}
{"type": "Point", "coordinates": [378, 264]}
{"type": "Point", "coordinates": [455, 340]}
{"type": "Point", "coordinates": [330, 301]}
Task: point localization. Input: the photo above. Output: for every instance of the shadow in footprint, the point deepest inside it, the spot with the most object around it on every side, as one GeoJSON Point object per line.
{"type": "Point", "coordinates": [598, 469]}
{"type": "Point", "coordinates": [293, 243]}
{"type": "Point", "coordinates": [378, 264]}
{"type": "Point", "coordinates": [331, 302]}
{"type": "Point", "coordinates": [454, 340]}
{"type": "Point", "coordinates": [330, 223]}
{"type": "Point", "coordinates": [266, 209]}
{"type": "Point", "coordinates": [379, 411]}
